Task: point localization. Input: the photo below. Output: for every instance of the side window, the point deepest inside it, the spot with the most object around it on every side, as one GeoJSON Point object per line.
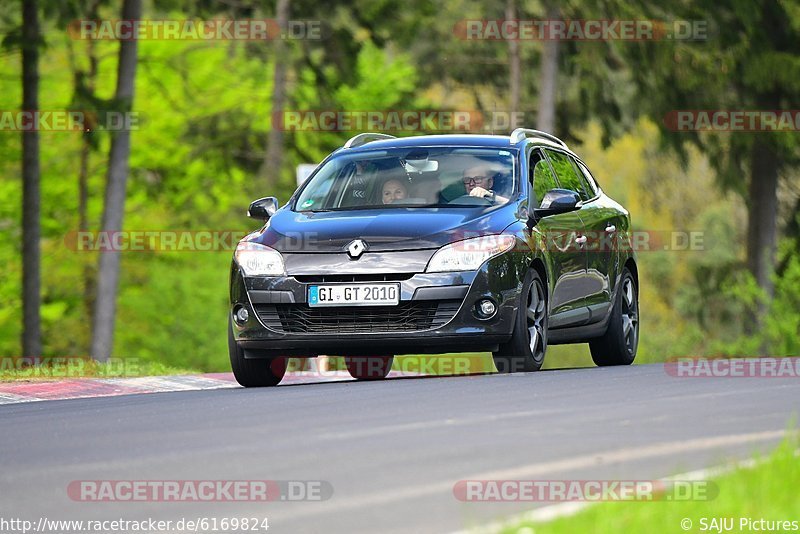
{"type": "Point", "coordinates": [541, 175]}
{"type": "Point", "coordinates": [589, 182]}
{"type": "Point", "coordinates": [567, 174]}
{"type": "Point", "coordinates": [355, 182]}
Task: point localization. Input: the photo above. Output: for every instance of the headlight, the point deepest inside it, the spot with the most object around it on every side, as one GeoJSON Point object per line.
{"type": "Point", "coordinates": [258, 260]}
{"type": "Point", "coordinates": [469, 254]}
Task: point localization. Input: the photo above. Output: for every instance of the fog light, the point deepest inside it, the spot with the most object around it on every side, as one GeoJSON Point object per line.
{"type": "Point", "coordinates": [242, 315]}
{"type": "Point", "coordinates": [486, 308]}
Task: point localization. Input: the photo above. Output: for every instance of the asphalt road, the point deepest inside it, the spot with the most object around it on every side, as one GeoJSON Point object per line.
{"type": "Point", "coordinates": [392, 451]}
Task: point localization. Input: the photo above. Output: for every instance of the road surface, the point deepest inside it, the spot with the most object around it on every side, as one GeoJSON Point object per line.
{"type": "Point", "coordinates": [392, 451]}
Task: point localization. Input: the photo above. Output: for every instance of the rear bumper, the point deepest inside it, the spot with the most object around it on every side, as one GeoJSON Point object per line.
{"type": "Point", "coordinates": [436, 315]}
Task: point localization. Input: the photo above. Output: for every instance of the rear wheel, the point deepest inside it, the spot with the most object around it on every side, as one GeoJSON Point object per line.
{"type": "Point", "coordinates": [254, 372]}
{"type": "Point", "coordinates": [528, 345]}
{"type": "Point", "coordinates": [369, 367]}
{"type": "Point", "coordinates": [618, 345]}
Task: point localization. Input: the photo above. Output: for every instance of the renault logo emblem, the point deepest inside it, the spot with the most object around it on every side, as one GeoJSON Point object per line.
{"type": "Point", "coordinates": [356, 248]}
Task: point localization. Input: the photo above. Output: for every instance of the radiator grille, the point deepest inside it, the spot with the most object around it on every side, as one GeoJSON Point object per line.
{"type": "Point", "coordinates": [406, 317]}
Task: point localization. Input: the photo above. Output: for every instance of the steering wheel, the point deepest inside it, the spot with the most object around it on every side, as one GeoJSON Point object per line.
{"type": "Point", "coordinates": [467, 200]}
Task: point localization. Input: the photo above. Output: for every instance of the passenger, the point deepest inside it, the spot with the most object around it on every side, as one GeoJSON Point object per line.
{"type": "Point", "coordinates": [393, 189]}
{"type": "Point", "coordinates": [478, 181]}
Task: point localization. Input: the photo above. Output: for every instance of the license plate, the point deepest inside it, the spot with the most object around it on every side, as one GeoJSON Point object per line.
{"type": "Point", "coordinates": [354, 295]}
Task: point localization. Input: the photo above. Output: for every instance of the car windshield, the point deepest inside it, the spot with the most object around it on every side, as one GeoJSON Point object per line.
{"type": "Point", "coordinates": [411, 177]}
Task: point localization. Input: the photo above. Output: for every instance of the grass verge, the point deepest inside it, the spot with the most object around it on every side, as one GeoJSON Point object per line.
{"type": "Point", "coordinates": [64, 368]}
{"type": "Point", "coordinates": [767, 491]}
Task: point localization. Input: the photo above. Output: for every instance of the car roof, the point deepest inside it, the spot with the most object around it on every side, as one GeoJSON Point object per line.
{"type": "Point", "coordinates": [476, 140]}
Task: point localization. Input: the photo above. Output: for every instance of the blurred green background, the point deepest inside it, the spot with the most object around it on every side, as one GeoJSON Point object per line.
{"type": "Point", "coordinates": [197, 161]}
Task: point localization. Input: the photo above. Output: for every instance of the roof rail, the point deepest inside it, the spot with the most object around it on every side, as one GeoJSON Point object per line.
{"type": "Point", "coordinates": [364, 138]}
{"type": "Point", "coordinates": [522, 133]}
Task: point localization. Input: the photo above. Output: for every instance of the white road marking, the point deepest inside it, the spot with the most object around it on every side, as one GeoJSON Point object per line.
{"type": "Point", "coordinates": [10, 398]}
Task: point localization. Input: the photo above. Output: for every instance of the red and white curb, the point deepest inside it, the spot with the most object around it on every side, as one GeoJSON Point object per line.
{"type": "Point", "coordinates": [81, 388]}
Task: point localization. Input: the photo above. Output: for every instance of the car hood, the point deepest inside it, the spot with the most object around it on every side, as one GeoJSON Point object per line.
{"type": "Point", "coordinates": [383, 230]}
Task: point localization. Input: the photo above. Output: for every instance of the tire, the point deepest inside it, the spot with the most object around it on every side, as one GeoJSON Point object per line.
{"type": "Point", "coordinates": [618, 345]}
{"type": "Point", "coordinates": [258, 372]}
{"type": "Point", "coordinates": [369, 367]}
{"type": "Point", "coordinates": [528, 345]}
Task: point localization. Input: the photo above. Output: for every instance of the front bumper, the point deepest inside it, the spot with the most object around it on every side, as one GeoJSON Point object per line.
{"type": "Point", "coordinates": [436, 313]}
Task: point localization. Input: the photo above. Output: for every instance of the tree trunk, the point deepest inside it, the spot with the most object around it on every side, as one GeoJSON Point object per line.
{"type": "Point", "coordinates": [546, 117]}
{"type": "Point", "coordinates": [762, 220]}
{"type": "Point", "coordinates": [31, 230]}
{"type": "Point", "coordinates": [273, 161]}
{"type": "Point", "coordinates": [108, 272]}
{"type": "Point", "coordinates": [83, 220]}
{"type": "Point", "coordinates": [513, 61]}
{"type": "Point", "coordinates": [83, 171]}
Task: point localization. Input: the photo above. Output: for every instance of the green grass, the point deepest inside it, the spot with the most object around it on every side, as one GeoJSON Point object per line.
{"type": "Point", "coordinates": [60, 369]}
{"type": "Point", "coordinates": [768, 491]}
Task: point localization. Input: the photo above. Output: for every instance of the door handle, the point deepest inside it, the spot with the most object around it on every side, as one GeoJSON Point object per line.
{"type": "Point", "coordinates": [580, 240]}
{"type": "Point", "coordinates": [610, 229]}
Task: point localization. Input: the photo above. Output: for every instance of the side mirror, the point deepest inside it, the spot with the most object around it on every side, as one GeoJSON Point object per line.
{"type": "Point", "coordinates": [554, 202]}
{"type": "Point", "coordinates": [263, 208]}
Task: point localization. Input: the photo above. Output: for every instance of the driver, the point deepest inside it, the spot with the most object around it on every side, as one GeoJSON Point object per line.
{"type": "Point", "coordinates": [478, 181]}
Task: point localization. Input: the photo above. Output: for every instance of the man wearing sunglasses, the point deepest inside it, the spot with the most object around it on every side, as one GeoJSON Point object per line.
{"type": "Point", "coordinates": [478, 181]}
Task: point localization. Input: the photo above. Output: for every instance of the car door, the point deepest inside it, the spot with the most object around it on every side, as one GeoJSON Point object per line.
{"type": "Point", "coordinates": [562, 234]}
{"type": "Point", "coordinates": [601, 221]}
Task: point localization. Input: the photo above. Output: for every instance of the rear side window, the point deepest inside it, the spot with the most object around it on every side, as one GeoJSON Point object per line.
{"type": "Point", "coordinates": [567, 173]}
{"type": "Point", "coordinates": [541, 175]}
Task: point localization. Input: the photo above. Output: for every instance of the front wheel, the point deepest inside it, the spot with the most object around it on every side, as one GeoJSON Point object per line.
{"type": "Point", "coordinates": [254, 372]}
{"type": "Point", "coordinates": [528, 345]}
{"type": "Point", "coordinates": [369, 367]}
{"type": "Point", "coordinates": [618, 345]}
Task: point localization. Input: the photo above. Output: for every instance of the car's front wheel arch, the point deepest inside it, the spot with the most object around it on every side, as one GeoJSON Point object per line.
{"type": "Point", "coordinates": [526, 349]}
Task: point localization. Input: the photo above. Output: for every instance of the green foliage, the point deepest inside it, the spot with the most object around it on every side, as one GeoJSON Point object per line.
{"type": "Point", "coordinates": [782, 329]}
{"type": "Point", "coordinates": [724, 302]}
{"type": "Point", "coordinates": [205, 115]}
{"type": "Point", "coordinates": [61, 368]}
{"type": "Point", "coordinates": [749, 60]}
{"type": "Point", "coordinates": [172, 308]}
{"type": "Point", "coordinates": [382, 82]}
{"type": "Point", "coordinates": [747, 492]}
